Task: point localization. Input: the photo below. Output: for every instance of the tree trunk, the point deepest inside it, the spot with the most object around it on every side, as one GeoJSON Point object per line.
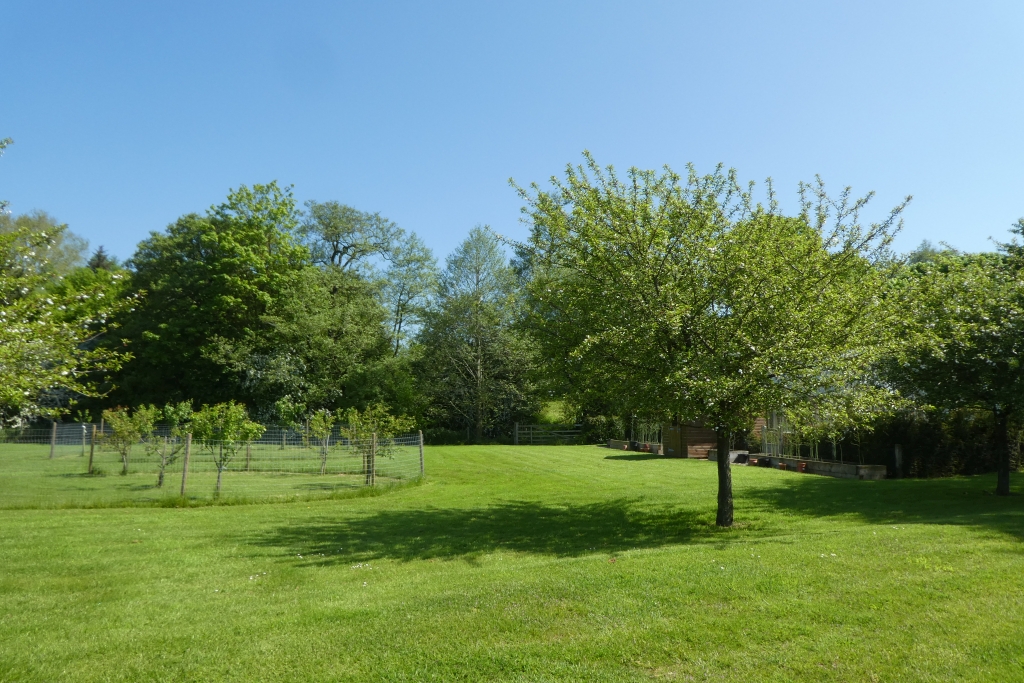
{"type": "Point", "coordinates": [479, 391]}
{"type": "Point", "coordinates": [724, 517]}
{"type": "Point", "coordinates": [220, 471]}
{"type": "Point", "coordinates": [1002, 454]}
{"type": "Point", "coordinates": [163, 464]}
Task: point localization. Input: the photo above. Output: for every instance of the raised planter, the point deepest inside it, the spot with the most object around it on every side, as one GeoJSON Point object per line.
{"type": "Point", "coordinates": [841, 470]}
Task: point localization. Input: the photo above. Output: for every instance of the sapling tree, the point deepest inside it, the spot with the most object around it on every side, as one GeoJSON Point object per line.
{"type": "Point", "coordinates": [223, 429]}
{"type": "Point", "coordinates": [686, 298]}
{"type": "Point", "coordinates": [128, 428]}
{"type": "Point", "coordinates": [321, 425]}
{"type": "Point", "coordinates": [178, 417]}
{"type": "Point", "coordinates": [371, 433]}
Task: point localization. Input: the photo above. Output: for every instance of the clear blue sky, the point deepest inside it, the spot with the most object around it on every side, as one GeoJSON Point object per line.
{"type": "Point", "coordinates": [128, 115]}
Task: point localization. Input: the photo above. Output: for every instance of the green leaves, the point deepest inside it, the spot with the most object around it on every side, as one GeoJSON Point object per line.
{"type": "Point", "coordinates": [225, 424]}
{"type": "Point", "coordinates": [686, 298]}
{"type": "Point", "coordinates": [208, 282]}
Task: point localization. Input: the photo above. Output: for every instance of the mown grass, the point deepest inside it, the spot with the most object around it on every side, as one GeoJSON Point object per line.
{"type": "Point", "coordinates": [528, 564]}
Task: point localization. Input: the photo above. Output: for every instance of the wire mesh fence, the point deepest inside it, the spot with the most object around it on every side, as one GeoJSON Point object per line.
{"type": "Point", "coordinates": [68, 466]}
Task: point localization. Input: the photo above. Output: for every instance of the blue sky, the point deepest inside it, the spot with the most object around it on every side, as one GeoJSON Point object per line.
{"type": "Point", "coordinates": [126, 116]}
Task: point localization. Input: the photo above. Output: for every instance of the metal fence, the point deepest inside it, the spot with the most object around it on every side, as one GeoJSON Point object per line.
{"type": "Point", "coordinates": [66, 466]}
{"type": "Point", "coordinates": [546, 435]}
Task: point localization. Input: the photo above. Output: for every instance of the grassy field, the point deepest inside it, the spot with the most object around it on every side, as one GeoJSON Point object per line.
{"type": "Point", "coordinates": [528, 564]}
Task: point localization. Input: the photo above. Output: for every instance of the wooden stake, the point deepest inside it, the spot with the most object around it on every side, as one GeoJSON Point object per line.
{"type": "Point", "coordinates": [184, 464]}
{"type": "Point", "coordinates": [92, 447]}
{"type": "Point", "coordinates": [373, 459]}
{"type": "Point", "coordinates": [421, 452]}
{"type": "Point", "coordinates": [53, 439]}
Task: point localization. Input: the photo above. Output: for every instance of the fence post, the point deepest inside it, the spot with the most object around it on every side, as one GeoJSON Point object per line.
{"type": "Point", "coordinates": [92, 447]}
{"type": "Point", "coordinates": [515, 434]}
{"type": "Point", "coordinates": [373, 459]}
{"type": "Point", "coordinates": [421, 452]}
{"type": "Point", "coordinates": [184, 463]}
{"type": "Point", "coordinates": [53, 439]}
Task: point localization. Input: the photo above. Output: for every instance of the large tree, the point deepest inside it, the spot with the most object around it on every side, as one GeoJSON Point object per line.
{"type": "Point", "coordinates": [48, 328]}
{"type": "Point", "coordinates": [207, 281]}
{"type": "Point", "coordinates": [476, 364]}
{"type": "Point", "coordinates": [322, 345]}
{"type": "Point", "coordinates": [685, 298]}
{"type": "Point", "coordinates": [969, 315]}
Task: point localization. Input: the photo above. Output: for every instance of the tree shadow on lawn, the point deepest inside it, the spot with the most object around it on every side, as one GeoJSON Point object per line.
{"type": "Point", "coordinates": [965, 501]}
{"type": "Point", "coordinates": [640, 456]}
{"type": "Point", "coordinates": [531, 527]}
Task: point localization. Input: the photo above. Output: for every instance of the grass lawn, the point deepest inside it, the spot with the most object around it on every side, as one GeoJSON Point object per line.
{"type": "Point", "coordinates": [528, 564]}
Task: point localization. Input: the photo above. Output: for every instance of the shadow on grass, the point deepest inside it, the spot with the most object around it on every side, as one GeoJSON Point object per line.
{"type": "Point", "coordinates": [639, 456]}
{"type": "Point", "coordinates": [968, 501]}
{"type": "Point", "coordinates": [559, 530]}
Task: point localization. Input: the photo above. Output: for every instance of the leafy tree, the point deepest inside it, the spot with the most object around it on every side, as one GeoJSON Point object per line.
{"type": "Point", "coordinates": [476, 365]}
{"type": "Point", "coordinates": [66, 249]}
{"type": "Point", "coordinates": [687, 299]}
{"type": "Point", "coordinates": [321, 338]}
{"type": "Point", "coordinates": [321, 425]}
{"type": "Point", "coordinates": [371, 433]}
{"type": "Point", "coordinates": [178, 417]}
{"type": "Point", "coordinates": [223, 429]}
{"type": "Point", "coordinates": [208, 282]}
{"type": "Point", "coordinates": [343, 237]}
{"type": "Point", "coordinates": [408, 284]}
{"type": "Point", "coordinates": [48, 355]}
{"type": "Point", "coordinates": [969, 316]}
{"type": "Point", "coordinates": [128, 428]}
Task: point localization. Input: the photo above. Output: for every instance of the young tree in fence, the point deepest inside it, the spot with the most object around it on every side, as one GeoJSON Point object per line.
{"type": "Point", "coordinates": [224, 429]}
{"type": "Point", "coordinates": [371, 433]}
{"type": "Point", "coordinates": [179, 417]}
{"type": "Point", "coordinates": [686, 298]}
{"type": "Point", "coordinates": [128, 428]}
{"type": "Point", "coordinates": [321, 424]}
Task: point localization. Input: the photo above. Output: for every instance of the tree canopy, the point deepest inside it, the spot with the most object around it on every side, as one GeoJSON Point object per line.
{"type": "Point", "coordinates": [685, 298]}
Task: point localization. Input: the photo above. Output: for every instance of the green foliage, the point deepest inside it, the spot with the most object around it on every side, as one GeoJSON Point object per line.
{"type": "Point", "coordinates": [344, 237]}
{"type": "Point", "coordinates": [968, 317]}
{"type": "Point", "coordinates": [320, 339]}
{"type": "Point", "coordinates": [63, 254]}
{"type": "Point", "coordinates": [208, 282]}
{"type": "Point", "coordinates": [406, 289]}
{"type": "Point", "coordinates": [476, 365]}
{"type": "Point", "coordinates": [49, 329]}
{"type": "Point", "coordinates": [127, 428]}
{"type": "Point", "coordinates": [684, 298]}
{"type": "Point", "coordinates": [376, 419]}
{"type": "Point", "coordinates": [224, 423]}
